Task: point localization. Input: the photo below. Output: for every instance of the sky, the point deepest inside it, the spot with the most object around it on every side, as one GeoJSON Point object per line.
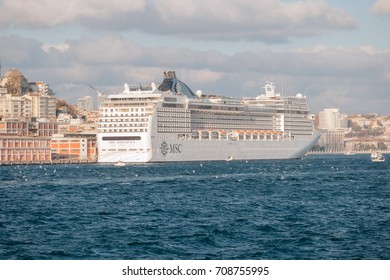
{"type": "Point", "coordinates": [336, 53]}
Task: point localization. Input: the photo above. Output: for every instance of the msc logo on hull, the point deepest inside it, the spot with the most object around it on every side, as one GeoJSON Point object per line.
{"type": "Point", "coordinates": [170, 148]}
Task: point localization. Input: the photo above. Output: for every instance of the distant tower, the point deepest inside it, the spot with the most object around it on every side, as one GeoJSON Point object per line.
{"type": "Point", "coordinates": [85, 103]}
{"type": "Point", "coordinates": [88, 103]}
{"type": "Point", "coordinates": [332, 119]}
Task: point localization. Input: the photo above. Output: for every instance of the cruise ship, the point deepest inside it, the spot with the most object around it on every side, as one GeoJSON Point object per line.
{"type": "Point", "coordinates": [170, 123]}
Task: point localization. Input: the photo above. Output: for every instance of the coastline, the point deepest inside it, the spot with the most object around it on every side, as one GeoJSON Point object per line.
{"type": "Point", "coordinates": [70, 161]}
{"type": "Point", "coordinates": [51, 162]}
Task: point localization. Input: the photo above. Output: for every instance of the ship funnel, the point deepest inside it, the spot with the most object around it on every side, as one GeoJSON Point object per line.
{"type": "Point", "coordinates": [169, 74]}
{"type": "Point", "coordinates": [173, 84]}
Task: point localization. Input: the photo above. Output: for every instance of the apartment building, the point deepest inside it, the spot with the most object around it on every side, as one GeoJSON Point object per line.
{"type": "Point", "coordinates": [42, 106]}
{"type": "Point", "coordinates": [11, 107]}
{"type": "Point", "coordinates": [31, 105]}
{"type": "Point", "coordinates": [41, 87]}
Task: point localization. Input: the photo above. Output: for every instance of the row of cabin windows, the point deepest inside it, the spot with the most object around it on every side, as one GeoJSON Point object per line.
{"type": "Point", "coordinates": [124, 130]}
{"type": "Point", "coordinates": [123, 120]}
{"type": "Point", "coordinates": [124, 110]}
{"type": "Point", "coordinates": [121, 115]}
{"type": "Point", "coordinates": [125, 125]}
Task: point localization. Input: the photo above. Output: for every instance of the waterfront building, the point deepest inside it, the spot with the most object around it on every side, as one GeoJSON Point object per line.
{"type": "Point", "coordinates": [22, 149]}
{"type": "Point", "coordinates": [332, 141]}
{"type": "Point", "coordinates": [333, 126]}
{"type": "Point", "coordinates": [25, 141]}
{"type": "Point", "coordinates": [74, 147]}
{"type": "Point", "coordinates": [28, 128]}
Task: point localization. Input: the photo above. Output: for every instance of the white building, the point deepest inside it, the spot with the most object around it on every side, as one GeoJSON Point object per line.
{"type": "Point", "coordinates": [11, 107]}
{"type": "Point", "coordinates": [42, 106]}
{"type": "Point", "coordinates": [30, 105]}
{"type": "Point", "coordinates": [334, 125]}
{"type": "Point", "coordinates": [41, 87]}
{"type": "Point", "coordinates": [332, 119]}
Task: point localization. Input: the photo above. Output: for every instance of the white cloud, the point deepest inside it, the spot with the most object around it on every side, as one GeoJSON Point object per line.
{"type": "Point", "coordinates": [48, 13]}
{"type": "Point", "coordinates": [59, 47]}
{"type": "Point", "coordinates": [201, 76]}
{"type": "Point", "coordinates": [264, 20]}
{"type": "Point", "coordinates": [261, 20]}
{"type": "Point", "coordinates": [335, 97]}
{"type": "Point", "coordinates": [107, 49]}
{"type": "Point", "coordinates": [381, 7]}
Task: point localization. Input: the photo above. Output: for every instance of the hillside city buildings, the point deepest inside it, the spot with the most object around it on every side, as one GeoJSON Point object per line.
{"type": "Point", "coordinates": [36, 127]}
{"type": "Point", "coordinates": [34, 130]}
{"type": "Point", "coordinates": [341, 133]}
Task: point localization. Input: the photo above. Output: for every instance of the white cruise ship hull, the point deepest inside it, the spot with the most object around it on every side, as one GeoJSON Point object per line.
{"type": "Point", "coordinates": [166, 150]}
{"type": "Point", "coordinates": [192, 150]}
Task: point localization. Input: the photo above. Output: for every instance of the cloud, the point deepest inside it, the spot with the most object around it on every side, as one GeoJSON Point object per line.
{"type": "Point", "coordinates": [381, 7]}
{"type": "Point", "coordinates": [262, 20]}
{"type": "Point", "coordinates": [48, 13]}
{"type": "Point", "coordinates": [20, 51]}
{"type": "Point", "coordinates": [201, 76]}
{"type": "Point", "coordinates": [59, 47]}
{"type": "Point", "coordinates": [354, 79]}
{"type": "Point", "coordinates": [107, 49]}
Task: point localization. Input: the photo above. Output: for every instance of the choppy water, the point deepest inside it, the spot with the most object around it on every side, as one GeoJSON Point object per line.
{"type": "Point", "coordinates": [321, 207]}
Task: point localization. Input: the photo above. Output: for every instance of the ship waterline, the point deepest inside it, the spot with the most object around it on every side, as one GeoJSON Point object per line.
{"type": "Point", "coordinates": [171, 123]}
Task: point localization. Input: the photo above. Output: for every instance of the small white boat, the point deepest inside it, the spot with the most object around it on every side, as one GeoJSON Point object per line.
{"type": "Point", "coordinates": [377, 156]}
{"type": "Point", "coordinates": [120, 163]}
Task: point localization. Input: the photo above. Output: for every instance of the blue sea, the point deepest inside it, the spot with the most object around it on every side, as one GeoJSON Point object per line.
{"type": "Point", "coordinates": [318, 207]}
